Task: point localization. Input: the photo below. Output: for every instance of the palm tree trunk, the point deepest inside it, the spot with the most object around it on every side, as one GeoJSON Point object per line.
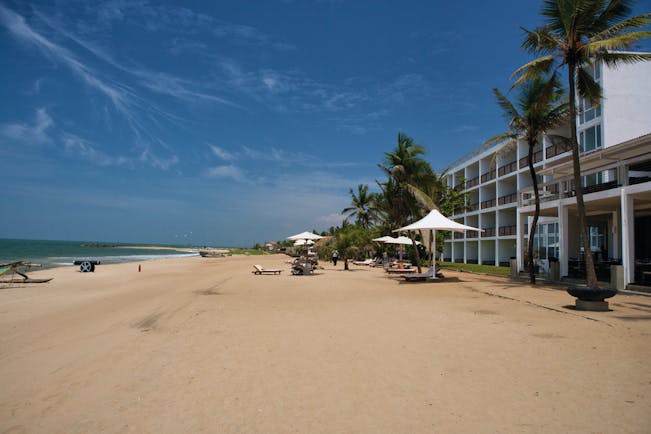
{"type": "Point", "coordinates": [591, 276]}
{"type": "Point", "coordinates": [416, 252]}
{"type": "Point", "coordinates": [536, 214]}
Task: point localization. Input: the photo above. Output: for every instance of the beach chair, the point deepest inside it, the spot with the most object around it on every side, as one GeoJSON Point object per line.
{"type": "Point", "coordinates": [259, 269]}
{"type": "Point", "coordinates": [423, 277]}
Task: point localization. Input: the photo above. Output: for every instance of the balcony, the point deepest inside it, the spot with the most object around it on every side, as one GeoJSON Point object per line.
{"type": "Point", "coordinates": [472, 182]}
{"type": "Point", "coordinates": [488, 232]}
{"type": "Point", "coordinates": [508, 198]}
{"type": "Point", "coordinates": [458, 235]}
{"type": "Point", "coordinates": [554, 150]}
{"type": "Point", "coordinates": [488, 176]}
{"type": "Point", "coordinates": [508, 168]}
{"type": "Point", "coordinates": [471, 234]}
{"type": "Point", "coordinates": [537, 157]}
{"type": "Point", "coordinates": [488, 204]}
{"type": "Point", "coordinates": [473, 207]}
{"type": "Point", "coordinates": [504, 231]}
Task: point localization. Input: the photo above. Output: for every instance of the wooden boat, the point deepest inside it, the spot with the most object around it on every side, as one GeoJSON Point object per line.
{"type": "Point", "coordinates": [13, 266]}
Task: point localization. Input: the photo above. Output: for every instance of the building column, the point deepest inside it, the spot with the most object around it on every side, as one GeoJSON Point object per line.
{"type": "Point", "coordinates": [465, 251]}
{"type": "Point", "coordinates": [497, 234]}
{"type": "Point", "coordinates": [452, 248]}
{"type": "Point", "coordinates": [615, 230]}
{"type": "Point", "coordinates": [628, 237]}
{"type": "Point", "coordinates": [479, 239]}
{"type": "Point", "coordinates": [563, 235]}
{"type": "Point", "coordinates": [518, 240]}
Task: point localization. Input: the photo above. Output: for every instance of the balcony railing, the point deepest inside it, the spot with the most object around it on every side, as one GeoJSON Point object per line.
{"type": "Point", "coordinates": [508, 168]}
{"type": "Point", "coordinates": [488, 232]}
{"type": "Point", "coordinates": [488, 204]}
{"type": "Point", "coordinates": [488, 176]}
{"type": "Point", "coordinates": [508, 198]}
{"type": "Point", "coordinates": [458, 235]}
{"type": "Point", "coordinates": [507, 230]}
{"type": "Point", "coordinates": [472, 182]}
{"type": "Point", "coordinates": [554, 150]}
{"type": "Point", "coordinates": [473, 207]}
{"type": "Point", "coordinates": [537, 157]}
{"type": "Point", "coordinates": [471, 234]}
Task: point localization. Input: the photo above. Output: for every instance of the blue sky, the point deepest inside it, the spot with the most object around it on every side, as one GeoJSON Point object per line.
{"type": "Point", "coordinates": [233, 122]}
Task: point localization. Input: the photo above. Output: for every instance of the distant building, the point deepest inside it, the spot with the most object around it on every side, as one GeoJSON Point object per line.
{"type": "Point", "coordinates": [615, 142]}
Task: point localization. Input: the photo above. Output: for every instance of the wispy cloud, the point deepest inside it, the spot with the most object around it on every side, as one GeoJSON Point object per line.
{"type": "Point", "coordinates": [227, 171]}
{"type": "Point", "coordinates": [222, 153]}
{"type": "Point", "coordinates": [35, 133]}
{"type": "Point", "coordinates": [79, 147]}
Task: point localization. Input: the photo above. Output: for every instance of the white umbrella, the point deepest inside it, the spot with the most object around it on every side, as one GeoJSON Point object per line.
{"type": "Point", "coordinates": [383, 239]}
{"type": "Point", "coordinates": [303, 242]}
{"type": "Point", "coordinates": [401, 240]}
{"type": "Point", "coordinates": [305, 236]}
{"type": "Point", "coordinates": [436, 221]}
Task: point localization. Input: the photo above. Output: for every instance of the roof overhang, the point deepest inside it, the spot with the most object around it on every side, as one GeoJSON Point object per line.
{"type": "Point", "coordinates": [563, 167]}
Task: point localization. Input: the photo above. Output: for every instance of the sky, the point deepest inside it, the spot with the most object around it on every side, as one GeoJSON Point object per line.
{"type": "Point", "coordinates": [229, 123]}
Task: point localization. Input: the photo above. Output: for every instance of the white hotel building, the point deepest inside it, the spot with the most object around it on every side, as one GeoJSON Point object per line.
{"type": "Point", "coordinates": [615, 140]}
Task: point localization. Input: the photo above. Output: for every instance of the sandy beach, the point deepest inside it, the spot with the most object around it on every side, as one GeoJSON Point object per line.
{"type": "Point", "coordinates": [203, 345]}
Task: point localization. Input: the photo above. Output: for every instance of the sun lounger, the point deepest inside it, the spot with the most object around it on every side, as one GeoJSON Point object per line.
{"type": "Point", "coordinates": [365, 262]}
{"type": "Point", "coordinates": [422, 277]}
{"type": "Point", "coordinates": [400, 270]}
{"type": "Point", "coordinates": [259, 269]}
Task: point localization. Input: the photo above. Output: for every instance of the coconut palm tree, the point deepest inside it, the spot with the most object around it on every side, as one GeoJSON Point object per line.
{"type": "Point", "coordinates": [362, 206]}
{"type": "Point", "coordinates": [540, 107]}
{"type": "Point", "coordinates": [406, 169]}
{"type": "Point", "coordinates": [576, 34]}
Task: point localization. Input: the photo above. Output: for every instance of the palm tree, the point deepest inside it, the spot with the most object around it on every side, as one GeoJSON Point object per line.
{"type": "Point", "coordinates": [362, 206]}
{"type": "Point", "coordinates": [406, 171]}
{"type": "Point", "coordinates": [540, 107]}
{"type": "Point", "coordinates": [576, 34]}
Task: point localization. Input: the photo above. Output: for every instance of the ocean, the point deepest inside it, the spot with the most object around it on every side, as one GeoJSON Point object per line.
{"type": "Point", "coordinates": [59, 253]}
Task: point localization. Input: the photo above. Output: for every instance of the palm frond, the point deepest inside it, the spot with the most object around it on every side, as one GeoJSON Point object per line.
{"type": "Point", "coordinates": [636, 22]}
{"type": "Point", "coordinates": [532, 69]}
{"type": "Point", "coordinates": [614, 59]}
{"type": "Point", "coordinates": [587, 87]}
{"type": "Point", "coordinates": [616, 43]}
{"type": "Point", "coordinates": [421, 197]}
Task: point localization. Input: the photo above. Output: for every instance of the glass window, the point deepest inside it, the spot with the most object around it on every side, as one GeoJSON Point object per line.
{"type": "Point", "coordinates": [590, 138]}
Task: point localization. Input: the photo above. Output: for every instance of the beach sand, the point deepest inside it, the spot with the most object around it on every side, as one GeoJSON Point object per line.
{"type": "Point", "coordinates": [202, 344]}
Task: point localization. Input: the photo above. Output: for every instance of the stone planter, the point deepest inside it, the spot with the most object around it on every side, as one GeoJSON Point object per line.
{"type": "Point", "coordinates": [591, 298]}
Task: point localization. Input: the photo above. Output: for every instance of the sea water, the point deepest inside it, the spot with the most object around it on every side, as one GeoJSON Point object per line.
{"type": "Point", "coordinates": [59, 253]}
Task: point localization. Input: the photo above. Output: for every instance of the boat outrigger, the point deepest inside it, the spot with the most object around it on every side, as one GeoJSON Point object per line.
{"type": "Point", "coordinates": [14, 267]}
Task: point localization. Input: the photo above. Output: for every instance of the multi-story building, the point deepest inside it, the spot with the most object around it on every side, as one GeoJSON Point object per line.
{"type": "Point", "coordinates": [615, 144]}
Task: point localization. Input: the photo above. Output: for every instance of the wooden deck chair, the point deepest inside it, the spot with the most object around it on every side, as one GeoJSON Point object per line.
{"type": "Point", "coordinates": [259, 269]}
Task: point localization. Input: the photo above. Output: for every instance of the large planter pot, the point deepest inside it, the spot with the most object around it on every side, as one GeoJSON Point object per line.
{"type": "Point", "coordinates": [591, 298]}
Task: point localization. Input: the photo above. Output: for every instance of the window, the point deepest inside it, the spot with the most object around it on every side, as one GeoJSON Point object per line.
{"type": "Point", "coordinates": [587, 112]}
{"type": "Point", "coordinates": [590, 138]}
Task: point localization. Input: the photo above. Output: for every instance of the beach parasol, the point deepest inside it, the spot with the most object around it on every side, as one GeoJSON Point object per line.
{"type": "Point", "coordinates": [383, 239]}
{"type": "Point", "coordinates": [303, 242]}
{"type": "Point", "coordinates": [305, 237]}
{"type": "Point", "coordinates": [436, 221]}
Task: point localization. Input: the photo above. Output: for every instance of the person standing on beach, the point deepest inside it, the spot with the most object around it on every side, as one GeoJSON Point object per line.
{"type": "Point", "coordinates": [335, 256]}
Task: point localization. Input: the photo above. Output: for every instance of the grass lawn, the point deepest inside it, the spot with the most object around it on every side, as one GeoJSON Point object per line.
{"type": "Point", "coordinates": [476, 268]}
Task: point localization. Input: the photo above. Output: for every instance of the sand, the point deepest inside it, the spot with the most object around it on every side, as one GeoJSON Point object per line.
{"type": "Point", "coordinates": [202, 344]}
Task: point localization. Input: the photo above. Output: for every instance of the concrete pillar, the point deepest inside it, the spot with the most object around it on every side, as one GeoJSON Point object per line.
{"type": "Point", "coordinates": [615, 230]}
{"type": "Point", "coordinates": [628, 237]}
{"type": "Point", "coordinates": [518, 240]}
{"type": "Point", "coordinates": [465, 251]}
{"type": "Point", "coordinates": [562, 240]}
{"type": "Point", "coordinates": [479, 239]}
{"type": "Point", "coordinates": [497, 235]}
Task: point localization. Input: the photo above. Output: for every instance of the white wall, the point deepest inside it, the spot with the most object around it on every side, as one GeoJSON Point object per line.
{"type": "Point", "coordinates": [627, 102]}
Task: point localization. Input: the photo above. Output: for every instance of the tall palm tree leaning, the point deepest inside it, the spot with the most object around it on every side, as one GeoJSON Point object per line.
{"type": "Point", "coordinates": [540, 107]}
{"type": "Point", "coordinates": [406, 168]}
{"type": "Point", "coordinates": [362, 206]}
{"type": "Point", "coordinates": [576, 34]}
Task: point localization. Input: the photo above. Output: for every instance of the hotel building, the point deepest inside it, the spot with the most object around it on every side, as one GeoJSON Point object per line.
{"type": "Point", "coordinates": [615, 144]}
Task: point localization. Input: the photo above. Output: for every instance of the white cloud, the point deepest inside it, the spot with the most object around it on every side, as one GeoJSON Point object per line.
{"type": "Point", "coordinates": [222, 153]}
{"type": "Point", "coordinates": [229, 171]}
{"type": "Point", "coordinates": [83, 148]}
{"type": "Point", "coordinates": [34, 133]}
